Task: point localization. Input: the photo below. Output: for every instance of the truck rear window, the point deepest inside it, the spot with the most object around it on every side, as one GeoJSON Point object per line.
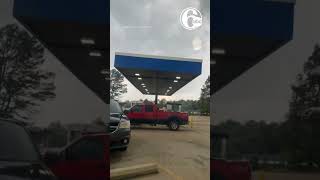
{"type": "Point", "coordinates": [90, 148]}
{"type": "Point", "coordinates": [137, 108]}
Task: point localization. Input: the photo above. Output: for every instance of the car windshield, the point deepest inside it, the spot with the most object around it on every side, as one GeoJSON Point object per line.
{"type": "Point", "coordinates": [115, 107]}
{"type": "Point", "coordinates": [16, 144]}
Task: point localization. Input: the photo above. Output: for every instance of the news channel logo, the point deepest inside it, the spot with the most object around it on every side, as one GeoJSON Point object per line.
{"type": "Point", "coordinates": [191, 18]}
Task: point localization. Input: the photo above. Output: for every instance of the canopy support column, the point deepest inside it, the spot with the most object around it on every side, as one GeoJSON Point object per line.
{"type": "Point", "coordinates": [156, 99]}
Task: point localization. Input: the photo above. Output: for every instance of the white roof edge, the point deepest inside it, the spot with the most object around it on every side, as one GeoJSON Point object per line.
{"type": "Point", "coordinates": [160, 57]}
{"type": "Point", "coordinates": [286, 1]}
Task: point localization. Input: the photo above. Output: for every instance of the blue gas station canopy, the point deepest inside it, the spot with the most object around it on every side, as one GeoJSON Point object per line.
{"type": "Point", "coordinates": [76, 32]}
{"type": "Point", "coordinates": [157, 75]}
{"type": "Point", "coordinates": [245, 32]}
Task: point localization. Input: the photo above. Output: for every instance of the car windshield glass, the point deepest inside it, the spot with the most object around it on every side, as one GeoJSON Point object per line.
{"type": "Point", "coordinates": [115, 107]}
{"type": "Point", "coordinates": [16, 145]}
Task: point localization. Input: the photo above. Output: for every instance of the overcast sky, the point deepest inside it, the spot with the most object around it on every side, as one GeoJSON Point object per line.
{"type": "Point", "coordinates": [73, 100]}
{"type": "Point", "coordinates": [264, 91]}
{"type": "Point", "coordinates": [152, 27]}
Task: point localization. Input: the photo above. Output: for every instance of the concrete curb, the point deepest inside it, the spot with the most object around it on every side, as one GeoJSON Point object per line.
{"type": "Point", "coordinates": [133, 171]}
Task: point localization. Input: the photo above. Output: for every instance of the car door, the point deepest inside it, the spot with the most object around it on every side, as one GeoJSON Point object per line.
{"type": "Point", "coordinates": [136, 114]}
{"type": "Point", "coordinates": [149, 115]}
{"type": "Point", "coordinates": [161, 116]}
{"type": "Point", "coordinates": [85, 159]}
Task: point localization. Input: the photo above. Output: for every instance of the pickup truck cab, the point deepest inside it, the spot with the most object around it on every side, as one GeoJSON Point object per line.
{"type": "Point", "coordinates": [150, 114]}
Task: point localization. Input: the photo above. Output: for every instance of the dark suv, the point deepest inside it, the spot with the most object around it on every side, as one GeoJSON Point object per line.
{"type": "Point", "coordinates": [119, 127]}
{"type": "Point", "coordinates": [19, 158]}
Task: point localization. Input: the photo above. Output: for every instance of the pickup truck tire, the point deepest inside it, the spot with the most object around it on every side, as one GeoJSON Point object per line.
{"type": "Point", "coordinates": [173, 125]}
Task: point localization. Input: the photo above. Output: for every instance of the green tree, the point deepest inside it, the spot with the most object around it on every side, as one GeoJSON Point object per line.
{"type": "Point", "coordinates": [302, 127]}
{"type": "Point", "coordinates": [23, 81]}
{"type": "Point", "coordinates": [162, 103]}
{"type": "Point", "coordinates": [204, 101]}
{"type": "Point", "coordinates": [117, 87]}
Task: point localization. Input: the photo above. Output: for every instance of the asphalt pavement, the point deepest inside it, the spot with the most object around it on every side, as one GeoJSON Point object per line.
{"type": "Point", "coordinates": [181, 155]}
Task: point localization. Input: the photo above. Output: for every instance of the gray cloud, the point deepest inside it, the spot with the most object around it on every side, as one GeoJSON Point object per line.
{"type": "Point", "coordinates": [153, 27]}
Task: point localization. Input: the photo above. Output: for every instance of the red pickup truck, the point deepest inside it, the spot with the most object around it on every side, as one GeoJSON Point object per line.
{"type": "Point", "coordinates": [150, 114]}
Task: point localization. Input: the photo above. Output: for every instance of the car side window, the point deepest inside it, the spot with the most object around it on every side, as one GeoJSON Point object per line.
{"type": "Point", "coordinates": [86, 149]}
{"type": "Point", "coordinates": [149, 108]}
{"type": "Point", "coordinates": [137, 108]}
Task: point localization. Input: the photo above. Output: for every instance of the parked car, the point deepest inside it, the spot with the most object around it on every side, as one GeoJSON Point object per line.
{"type": "Point", "coordinates": [119, 127]}
{"type": "Point", "coordinates": [19, 157]}
{"type": "Point", "coordinates": [221, 168]}
{"type": "Point", "coordinates": [150, 114]}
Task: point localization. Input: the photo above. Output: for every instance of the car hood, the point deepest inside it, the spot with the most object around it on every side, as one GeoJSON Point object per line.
{"type": "Point", "coordinates": [24, 171]}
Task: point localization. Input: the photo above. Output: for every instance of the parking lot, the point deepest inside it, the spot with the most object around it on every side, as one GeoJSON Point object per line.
{"type": "Point", "coordinates": [183, 154]}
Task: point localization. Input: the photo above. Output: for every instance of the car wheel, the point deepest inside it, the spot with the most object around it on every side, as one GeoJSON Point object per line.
{"type": "Point", "coordinates": [174, 125]}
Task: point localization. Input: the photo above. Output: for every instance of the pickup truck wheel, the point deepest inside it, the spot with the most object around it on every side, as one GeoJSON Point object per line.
{"type": "Point", "coordinates": [174, 125]}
